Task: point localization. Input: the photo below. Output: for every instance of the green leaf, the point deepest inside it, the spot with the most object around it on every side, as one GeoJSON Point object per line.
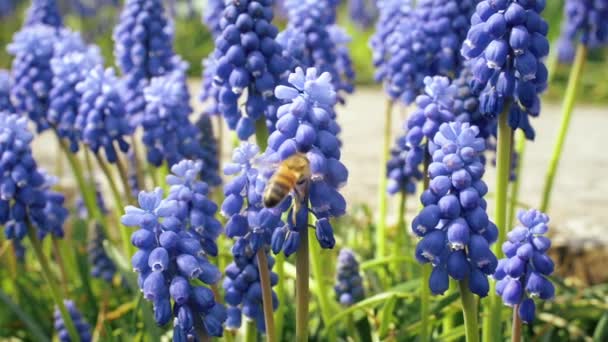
{"type": "Point", "coordinates": [601, 329]}
{"type": "Point", "coordinates": [32, 326]}
{"type": "Point", "coordinates": [386, 316]}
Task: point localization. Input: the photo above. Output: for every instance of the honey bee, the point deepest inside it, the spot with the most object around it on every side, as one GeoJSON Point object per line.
{"type": "Point", "coordinates": [292, 176]}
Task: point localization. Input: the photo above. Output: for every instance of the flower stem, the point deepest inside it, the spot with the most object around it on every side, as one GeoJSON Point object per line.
{"type": "Point", "coordinates": [302, 293]}
{"type": "Point", "coordinates": [279, 266]}
{"type": "Point", "coordinates": [139, 174]}
{"type": "Point", "coordinates": [402, 240]}
{"type": "Point", "coordinates": [569, 98]}
{"type": "Point", "coordinates": [516, 332]}
{"type": "Point", "coordinates": [261, 133]}
{"type": "Point", "coordinates": [124, 177]}
{"type": "Point", "coordinates": [493, 321]}
{"type": "Point", "coordinates": [250, 331]}
{"type": "Point", "coordinates": [55, 292]}
{"type": "Point", "coordinates": [425, 292]}
{"type": "Point", "coordinates": [61, 264]}
{"type": "Point", "coordinates": [322, 291]}
{"type": "Point", "coordinates": [266, 295]}
{"type": "Point", "coordinates": [469, 311]}
{"type": "Point", "coordinates": [514, 197]}
{"type": "Point", "coordinates": [382, 182]}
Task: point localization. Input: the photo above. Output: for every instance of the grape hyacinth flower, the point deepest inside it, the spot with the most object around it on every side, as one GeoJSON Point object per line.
{"type": "Point", "coordinates": [7, 8]}
{"type": "Point", "coordinates": [143, 48]}
{"type": "Point", "coordinates": [209, 151]}
{"type": "Point", "coordinates": [68, 70]}
{"type": "Point", "coordinates": [212, 15]}
{"type": "Point", "coordinates": [349, 284]}
{"type": "Point", "coordinates": [313, 22]}
{"type": "Point", "coordinates": [5, 92]}
{"type": "Point", "coordinates": [305, 125]}
{"type": "Point", "coordinates": [522, 275]}
{"type": "Point", "coordinates": [506, 44]}
{"type": "Point", "coordinates": [466, 106]}
{"type": "Point", "coordinates": [402, 177]}
{"type": "Point", "coordinates": [362, 12]}
{"type": "Point", "coordinates": [25, 194]}
{"type": "Point", "coordinates": [209, 92]}
{"type": "Point", "coordinates": [32, 48]}
{"type": "Point", "coordinates": [82, 327]}
{"type": "Point", "coordinates": [101, 119]}
{"type": "Point", "coordinates": [44, 12]}
{"type": "Point", "coordinates": [584, 22]}
{"type": "Point", "coordinates": [249, 61]}
{"type": "Point", "coordinates": [175, 237]}
{"type": "Point", "coordinates": [454, 226]}
{"type": "Point", "coordinates": [168, 134]}
{"type": "Point", "coordinates": [102, 266]}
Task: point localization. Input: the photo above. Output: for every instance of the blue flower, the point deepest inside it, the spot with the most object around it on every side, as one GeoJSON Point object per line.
{"type": "Point", "coordinates": [454, 226]}
{"type": "Point", "coordinates": [506, 44]}
{"type": "Point", "coordinates": [25, 194]}
{"type": "Point", "coordinates": [175, 237]}
{"type": "Point", "coordinates": [7, 8]}
{"type": "Point", "coordinates": [68, 70]}
{"type": "Point", "coordinates": [143, 49]}
{"type": "Point", "coordinates": [209, 151]}
{"type": "Point", "coordinates": [321, 44]}
{"type": "Point", "coordinates": [362, 12]}
{"type": "Point", "coordinates": [306, 124]}
{"type": "Point", "coordinates": [5, 96]}
{"type": "Point", "coordinates": [584, 22]}
{"type": "Point", "coordinates": [212, 15]}
{"type": "Point", "coordinates": [168, 133]}
{"type": "Point", "coordinates": [45, 12]}
{"type": "Point", "coordinates": [209, 92]}
{"type": "Point", "coordinates": [83, 329]}
{"type": "Point", "coordinates": [101, 119]}
{"type": "Point", "coordinates": [349, 283]}
{"type": "Point", "coordinates": [249, 61]}
{"type": "Point", "coordinates": [522, 274]}
{"type": "Point", "coordinates": [32, 48]}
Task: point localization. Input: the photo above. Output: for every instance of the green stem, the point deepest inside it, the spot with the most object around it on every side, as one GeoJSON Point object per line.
{"type": "Point", "coordinates": [61, 264]}
{"type": "Point", "coordinates": [521, 149]}
{"type": "Point", "coordinates": [261, 133]}
{"type": "Point", "coordinates": [516, 332]}
{"type": "Point", "coordinates": [318, 272]}
{"type": "Point", "coordinates": [493, 320]}
{"type": "Point", "coordinates": [302, 292]}
{"type": "Point", "coordinates": [448, 322]}
{"type": "Point", "coordinates": [266, 295]}
{"type": "Point", "coordinates": [469, 311]}
{"type": "Point", "coordinates": [279, 266]}
{"type": "Point", "coordinates": [124, 177]}
{"type": "Point", "coordinates": [250, 331]}
{"type": "Point", "coordinates": [402, 240]}
{"type": "Point", "coordinates": [139, 174]}
{"type": "Point", "coordinates": [568, 104]}
{"type": "Point", "coordinates": [425, 292]}
{"type": "Point", "coordinates": [55, 292]}
{"type": "Point", "coordinates": [382, 182]}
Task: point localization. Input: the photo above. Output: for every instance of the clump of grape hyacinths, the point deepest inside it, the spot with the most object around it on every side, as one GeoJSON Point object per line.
{"type": "Point", "coordinates": [249, 61]}
{"type": "Point", "coordinates": [507, 43]}
{"type": "Point", "coordinates": [45, 12]}
{"type": "Point", "coordinates": [83, 329]}
{"type": "Point", "coordinates": [209, 151]}
{"type": "Point", "coordinates": [168, 134]}
{"type": "Point", "coordinates": [32, 48]}
{"type": "Point", "coordinates": [25, 194]}
{"type": "Point", "coordinates": [584, 22]}
{"type": "Point", "coordinates": [305, 125]}
{"type": "Point", "coordinates": [143, 49]}
{"type": "Point", "coordinates": [5, 92]}
{"type": "Point", "coordinates": [349, 283]}
{"type": "Point", "coordinates": [252, 226]}
{"type": "Point", "coordinates": [101, 118]}
{"type": "Point", "coordinates": [522, 274]}
{"type": "Point", "coordinates": [313, 22]}
{"type": "Point", "coordinates": [68, 70]}
{"type": "Point", "coordinates": [175, 236]}
{"type": "Point", "coordinates": [454, 226]}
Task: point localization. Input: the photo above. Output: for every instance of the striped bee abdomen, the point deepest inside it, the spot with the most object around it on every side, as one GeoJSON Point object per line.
{"type": "Point", "coordinates": [279, 186]}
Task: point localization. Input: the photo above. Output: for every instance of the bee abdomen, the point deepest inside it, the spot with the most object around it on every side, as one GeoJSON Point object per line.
{"type": "Point", "coordinates": [277, 189]}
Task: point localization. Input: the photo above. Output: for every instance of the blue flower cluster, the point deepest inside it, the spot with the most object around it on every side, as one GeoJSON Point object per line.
{"type": "Point", "coordinates": [7, 8]}
{"type": "Point", "coordinates": [68, 70]}
{"type": "Point", "coordinates": [5, 92]}
{"type": "Point", "coordinates": [168, 133]}
{"type": "Point", "coordinates": [362, 12]}
{"type": "Point", "coordinates": [45, 12]}
{"type": "Point", "coordinates": [143, 49]}
{"type": "Point", "coordinates": [454, 226]}
{"type": "Point", "coordinates": [507, 43]}
{"type": "Point", "coordinates": [212, 16]}
{"type": "Point", "coordinates": [466, 105]}
{"type": "Point", "coordinates": [305, 125]}
{"type": "Point", "coordinates": [101, 119]}
{"type": "Point", "coordinates": [522, 275]}
{"type": "Point", "coordinates": [25, 195]}
{"type": "Point", "coordinates": [82, 327]}
{"type": "Point", "coordinates": [434, 108]}
{"type": "Point", "coordinates": [209, 151]}
{"type": "Point", "coordinates": [349, 284]}
{"type": "Point", "coordinates": [32, 48]}
{"type": "Point", "coordinates": [209, 92]}
{"type": "Point", "coordinates": [311, 23]}
{"type": "Point", "coordinates": [249, 61]}
{"type": "Point", "coordinates": [175, 236]}
{"type": "Point", "coordinates": [584, 21]}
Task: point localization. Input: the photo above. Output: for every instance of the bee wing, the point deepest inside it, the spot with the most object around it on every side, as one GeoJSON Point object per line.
{"type": "Point", "coordinates": [266, 164]}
